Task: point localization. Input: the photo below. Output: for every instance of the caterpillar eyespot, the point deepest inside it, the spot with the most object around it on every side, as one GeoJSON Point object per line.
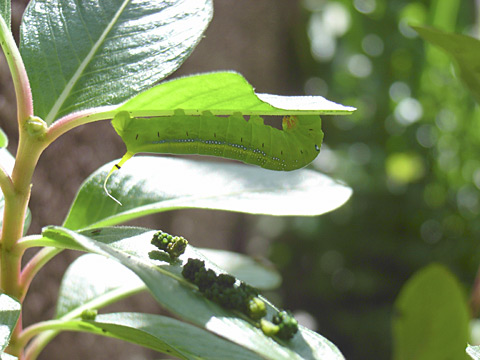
{"type": "Point", "coordinates": [231, 137]}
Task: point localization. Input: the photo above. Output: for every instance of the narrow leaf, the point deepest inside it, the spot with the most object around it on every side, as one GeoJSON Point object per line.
{"type": "Point", "coordinates": [131, 247]}
{"type": "Point", "coordinates": [84, 54]}
{"type": "Point", "coordinates": [224, 93]}
{"type": "Point", "coordinates": [464, 49]}
{"type": "Point", "coordinates": [9, 313]}
{"type": "Point", "coordinates": [147, 185]}
{"type": "Point", "coordinates": [93, 281]}
{"type": "Point", "coordinates": [432, 320]}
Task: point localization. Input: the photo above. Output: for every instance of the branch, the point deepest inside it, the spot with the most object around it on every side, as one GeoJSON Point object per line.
{"type": "Point", "coordinates": [73, 120]}
{"type": "Point", "coordinates": [34, 266]}
{"type": "Point", "coordinates": [18, 72]}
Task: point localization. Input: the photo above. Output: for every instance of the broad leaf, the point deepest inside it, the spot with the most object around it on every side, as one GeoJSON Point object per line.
{"type": "Point", "coordinates": [432, 317]}
{"type": "Point", "coordinates": [464, 49]}
{"type": "Point", "coordinates": [4, 356]}
{"type": "Point", "coordinates": [131, 247]}
{"type": "Point", "coordinates": [224, 93]}
{"type": "Point", "coordinates": [147, 185]}
{"type": "Point", "coordinates": [181, 117]}
{"type": "Point", "coordinates": [6, 12]}
{"type": "Point", "coordinates": [84, 54]}
{"type": "Point", "coordinates": [165, 335]}
{"type": "Point", "coordinates": [9, 313]}
{"type": "Point", "coordinates": [255, 272]}
{"type": "Point", "coordinates": [474, 352]}
{"type": "Point", "coordinates": [93, 281]}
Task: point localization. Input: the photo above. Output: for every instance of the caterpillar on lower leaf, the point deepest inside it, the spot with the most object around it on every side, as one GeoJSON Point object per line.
{"type": "Point", "coordinates": [224, 290]}
{"type": "Point", "coordinates": [231, 137]}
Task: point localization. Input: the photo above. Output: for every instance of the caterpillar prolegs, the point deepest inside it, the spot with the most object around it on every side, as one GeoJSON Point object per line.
{"type": "Point", "coordinates": [231, 137]}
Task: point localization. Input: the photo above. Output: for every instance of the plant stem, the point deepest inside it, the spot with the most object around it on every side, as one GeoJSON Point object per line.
{"type": "Point", "coordinates": [17, 188]}
{"type": "Point", "coordinates": [28, 152]}
{"type": "Point", "coordinates": [71, 121]}
{"type": "Point", "coordinates": [475, 296]}
{"type": "Point", "coordinates": [47, 334]}
{"type": "Point", "coordinates": [34, 266]}
{"type": "Point", "coordinates": [18, 72]}
{"type": "Point", "coordinates": [29, 149]}
{"type": "Point", "coordinates": [53, 326]}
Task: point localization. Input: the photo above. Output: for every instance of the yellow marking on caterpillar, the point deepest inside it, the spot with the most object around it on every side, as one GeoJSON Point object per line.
{"type": "Point", "coordinates": [116, 167]}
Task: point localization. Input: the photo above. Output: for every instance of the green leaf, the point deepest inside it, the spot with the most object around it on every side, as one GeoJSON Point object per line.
{"type": "Point", "coordinates": [256, 272]}
{"type": "Point", "coordinates": [3, 139]}
{"type": "Point", "coordinates": [9, 313]}
{"type": "Point", "coordinates": [224, 93]}
{"type": "Point", "coordinates": [92, 282]}
{"type": "Point", "coordinates": [4, 356]}
{"type": "Point", "coordinates": [84, 54]}
{"type": "Point", "coordinates": [147, 185]}
{"type": "Point", "coordinates": [474, 352]}
{"type": "Point", "coordinates": [6, 12]}
{"type": "Point", "coordinates": [166, 335]}
{"type": "Point", "coordinates": [131, 247]}
{"type": "Point", "coordinates": [464, 49]}
{"type": "Point", "coordinates": [7, 161]}
{"type": "Point", "coordinates": [432, 320]}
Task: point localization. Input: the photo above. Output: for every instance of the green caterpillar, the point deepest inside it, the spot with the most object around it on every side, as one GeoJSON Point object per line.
{"type": "Point", "coordinates": [231, 137]}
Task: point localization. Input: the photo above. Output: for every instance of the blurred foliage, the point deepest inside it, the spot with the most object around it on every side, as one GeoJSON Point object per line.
{"type": "Point", "coordinates": [409, 152]}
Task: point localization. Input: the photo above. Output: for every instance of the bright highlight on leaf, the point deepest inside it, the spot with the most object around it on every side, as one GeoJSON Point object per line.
{"type": "Point", "coordinates": [9, 313]}
{"type": "Point", "coordinates": [224, 93]}
{"type": "Point", "coordinates": [182, 117]}
{"type": "Point", "coordinates": [143, 190]}
{"type": "Point", "coordinates": [132, 246]}
{"type": "Point", "coordinates": [85, 54]}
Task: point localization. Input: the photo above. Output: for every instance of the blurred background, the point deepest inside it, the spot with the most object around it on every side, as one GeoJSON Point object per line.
{"type": "Point", "coordinates": [410, 153]}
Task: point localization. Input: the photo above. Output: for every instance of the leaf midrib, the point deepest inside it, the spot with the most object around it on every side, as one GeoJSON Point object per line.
{"type": "Point", "coordinates": [86, 61]}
